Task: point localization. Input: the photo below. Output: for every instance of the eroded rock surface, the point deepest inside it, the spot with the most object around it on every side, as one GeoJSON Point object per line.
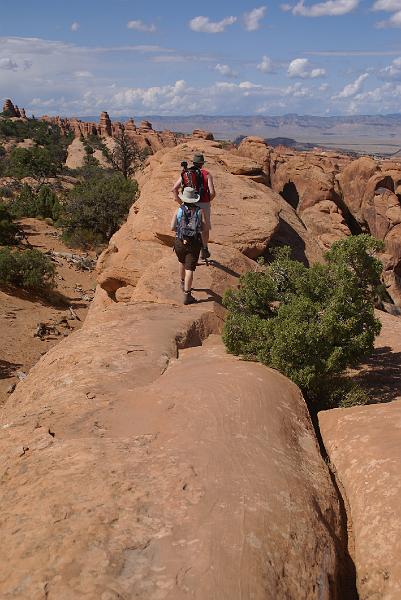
{"type": "Point", "coordinates": [364, 446]}
{"type": "Point", "coordinates": [139, 460]}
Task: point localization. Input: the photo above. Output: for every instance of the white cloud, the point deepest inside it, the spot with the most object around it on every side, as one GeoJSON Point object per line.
{"type": "Point", "coordinates": [387, 5]}
{"type": "Point", "coordinates": [226, 71]}
{"type": "Point", "coordinates": [393, 71]}
{"type": "Point", "coordinates": [205, 25]}
{"type": "Point", "coordinates": [329, 8]}
{"type": "Point", "coordinates": [141, 26]}
{"type": "Point", "coordinates": [75, 26]}
{"type": "Point", "coordinates": [252, 19]}
{"type": "Point", "coordinates": [8, 64]}
{"type": "Point", "coordinates": [266, 65]}
{"type": "Point", "coordinates": [352, 88]}
{"type": "Point", "coordinates": [300, 67]}
{"type": "Point", "coordinates": [83, 74]}
{"type": "Point", "coordinates": [298, 90]}
{"type": "Point", "coordinates": [391, 6]}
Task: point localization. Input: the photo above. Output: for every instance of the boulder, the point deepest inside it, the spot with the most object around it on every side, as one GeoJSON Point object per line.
{"type": "Point", "coordinates": [203, 135]}
{"type": "Point", "coordinates": [257, 149]}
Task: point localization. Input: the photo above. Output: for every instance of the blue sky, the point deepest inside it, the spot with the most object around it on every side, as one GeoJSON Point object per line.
{"type": "Point", "coordinates": [221, 58]}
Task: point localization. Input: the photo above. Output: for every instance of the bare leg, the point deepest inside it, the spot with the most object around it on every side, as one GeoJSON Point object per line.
{"type": "Point", "coordinates": [182, 271]}
{"type": "Point", "coordinates": [189, 277]}
{"type": "Point", "coordinates": [205, 237]}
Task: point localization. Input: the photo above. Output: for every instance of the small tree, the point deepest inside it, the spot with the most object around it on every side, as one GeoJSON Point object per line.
{"type": "Point", "coordinates": [39, 163]}
{"type": "Point", "coordinates": [8, 229]}
{"type": "Point", "coordinates": [310, 324]}
{"type": "Point", "coordinates": [126, 156]}
{"type": "Point", "coordinates": [95, 209]}
{"type": "Point", "coordinates": [29, 269]}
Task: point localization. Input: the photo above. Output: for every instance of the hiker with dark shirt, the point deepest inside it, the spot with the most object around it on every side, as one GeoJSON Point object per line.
{"type": "Point", "coordinates": [188, 222]}
{"type": "Point", "coordinates": [202, 181]}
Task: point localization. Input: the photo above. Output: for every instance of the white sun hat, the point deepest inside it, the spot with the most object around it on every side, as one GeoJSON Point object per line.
{"type": "Point", "coordinates": [189, 196]}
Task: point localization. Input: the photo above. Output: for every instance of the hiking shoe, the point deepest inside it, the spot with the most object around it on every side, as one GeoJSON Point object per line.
{"type": "Point", "coordinates": [205, 254]}
{"type": "Point", "coordinates": [188, 298]}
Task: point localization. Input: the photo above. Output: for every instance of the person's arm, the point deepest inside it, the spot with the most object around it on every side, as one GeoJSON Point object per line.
{"type": "Point", "coordinates": [175, 189]}
{"type": "Point", "coordinates": [174, 221]}
{"type": "Point", "coordinates": [211, 186]}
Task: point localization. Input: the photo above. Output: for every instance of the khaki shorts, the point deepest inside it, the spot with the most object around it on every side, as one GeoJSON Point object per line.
{"type": "Point", "coordinates": [205, 206]}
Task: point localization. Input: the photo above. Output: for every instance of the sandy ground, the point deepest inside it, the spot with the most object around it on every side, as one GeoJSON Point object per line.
{"type": "Point", "coordinates": [20, 312]}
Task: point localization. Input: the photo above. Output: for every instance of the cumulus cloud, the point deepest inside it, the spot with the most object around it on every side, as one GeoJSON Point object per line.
{"type": "Point", "coordinates": [252, 18]}
{"type": "Point", "coordinates": [75, 26]}
{"type": "Point", "coordinates": [300, 67]}
{"type": "Point", "coordinates": [266, 65]}
{"type": "Point", "coordinates": [205, 25]}
{"type": "Point", "coordinates": [391, 6]}
{"type": "Point", "coordinates": [393, 71]}
{"type": "Point", "coordinates": [298, 90]}
{"type": "Point", "coordinates": [8, 63]}
{"type": "Point", "coordinates": [226, 71]}
{"type": "Point", "coordinates": [139, 25]}
{"type": "Point", "coordinates": [329, 8]}
{"type": "Point", "coordinates": [352, 88]}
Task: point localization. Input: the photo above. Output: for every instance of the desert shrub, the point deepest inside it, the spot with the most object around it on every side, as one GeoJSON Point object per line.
{"type": "Point", "coordinates": [43, 203]}
{"type": "Point", "coordinates": [95, 209]}
{"type": "Point", "coordinates": [29, 269]}
{"type": "Point", "coordinates": [42, 133]}
{"type": "Point", "coordinates": [39, 163]}
{"type": "Point", "coordinates": [309, 323]}
{"type": "Point", "coordinates": [8, 229]}
{"type": "Point", "coordinates": [6, 191]}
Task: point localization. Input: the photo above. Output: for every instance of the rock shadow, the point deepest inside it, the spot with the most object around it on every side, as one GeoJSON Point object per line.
{"type": "Point", "coordinates": [7, 369]}
{"type": "Point", "coordinates": [51, 298]}
{"type": "Point", "coordinates": [212, 296]}
{"type": "Point", "coordinates": [380, 375]}
{"type": "Point", "coordinates": [290, 194]}
{"type": "Point", "coordinates": [286, 235]}
{"type": "Point", "coordinates": [215, 263]}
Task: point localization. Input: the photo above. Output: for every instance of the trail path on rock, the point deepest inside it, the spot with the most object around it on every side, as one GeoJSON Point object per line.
{"type": "Point", "coordinates": [139, 460]}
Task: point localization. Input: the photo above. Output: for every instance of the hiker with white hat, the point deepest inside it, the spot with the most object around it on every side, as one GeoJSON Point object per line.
{"type": "Point", "coordinates": [200, 180]}
{"type": "Point", "coordinates": [188, 223]}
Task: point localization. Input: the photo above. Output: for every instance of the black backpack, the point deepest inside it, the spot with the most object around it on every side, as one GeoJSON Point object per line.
{"type": "Point", "coordinates": [189, 223]}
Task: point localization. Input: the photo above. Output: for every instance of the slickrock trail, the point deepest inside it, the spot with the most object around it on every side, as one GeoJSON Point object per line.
{"type": "Point", "coordinates": [139, 460]}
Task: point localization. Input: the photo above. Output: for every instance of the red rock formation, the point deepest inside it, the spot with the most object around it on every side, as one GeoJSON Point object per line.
{"type": "Point", "coordinates": [105, 128]}
{"type": "Point", "coordinates": [9, 109]}
{"type": "Point", "coordinates": [371, 190]}
{"type": "Point", "coordinates": [257, 149]}
{"type": "Point", "coordinates": [190, 474]}
{"type": "Point", "coordinates": [364, 447]}
{"type": "Point", "coordinates": [202, 135]}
